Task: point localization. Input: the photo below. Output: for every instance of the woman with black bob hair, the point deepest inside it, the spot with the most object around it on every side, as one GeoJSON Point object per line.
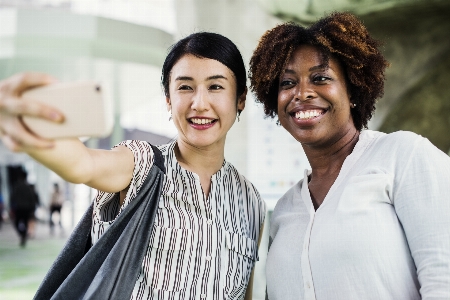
{"type": "Point", "coordinates": [204, 241]}
{"type": "Point", "coordinates": [212, 46]}
{"type": "Point", "coordinates": [370, 220]}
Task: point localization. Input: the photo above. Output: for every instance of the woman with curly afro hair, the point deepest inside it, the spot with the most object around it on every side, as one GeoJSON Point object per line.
{"type": "Point", "coordinates": [370, 220]}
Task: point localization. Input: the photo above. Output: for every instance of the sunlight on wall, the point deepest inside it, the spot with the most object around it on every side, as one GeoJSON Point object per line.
{"type": "Point", "coordinates": [157, 13]}
{"type": "Point", "coordinates": [142, 100]}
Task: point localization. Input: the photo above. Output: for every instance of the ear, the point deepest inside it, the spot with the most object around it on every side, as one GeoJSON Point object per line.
{"type": "Point", "coordinates": [168, 104]}
{"type": "Point", "coordinates": [241, 100]}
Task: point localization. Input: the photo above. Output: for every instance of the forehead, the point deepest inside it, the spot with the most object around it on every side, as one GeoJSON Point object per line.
{"type": "Point", "coordinates": [199, 68]}
{"type": "Point", "coordinates": [308, 56]}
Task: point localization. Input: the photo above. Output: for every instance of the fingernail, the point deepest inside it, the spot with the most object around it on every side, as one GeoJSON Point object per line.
{"type": "Point", "coordinates": [56, 117]}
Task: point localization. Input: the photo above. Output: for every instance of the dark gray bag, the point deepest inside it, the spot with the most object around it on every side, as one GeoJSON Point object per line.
{"type": "Point", "coordinates": [109, 269]}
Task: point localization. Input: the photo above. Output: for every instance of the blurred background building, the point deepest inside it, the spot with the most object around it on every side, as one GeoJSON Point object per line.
{"type": "Point", "coordinates": [124, 43]}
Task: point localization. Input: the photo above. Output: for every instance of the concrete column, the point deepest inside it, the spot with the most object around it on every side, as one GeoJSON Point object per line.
{"type": "Point", "coordinates": [43, 183]}
{"type": "Point", "coordinates": [117, 134]}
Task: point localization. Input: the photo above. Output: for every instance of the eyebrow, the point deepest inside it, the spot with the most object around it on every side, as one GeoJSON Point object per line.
{"type": "Point", "coordinates": [216, 77]}
{"type": "Point", "coordinates": [318, 67]}
{"type": "Point", "coordinates": [188, 78]}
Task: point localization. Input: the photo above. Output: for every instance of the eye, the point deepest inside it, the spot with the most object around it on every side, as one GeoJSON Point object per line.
{"type": "Point", "coordinates": [320, 79]}
{"type": "Point", "coordinates": [287, 83]}
{"type": "Point", "coordinates": [216, 87]}
{"type": "Point", "coordinates": [184, 87]}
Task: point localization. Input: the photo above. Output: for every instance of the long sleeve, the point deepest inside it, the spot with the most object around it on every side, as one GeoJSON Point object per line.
{"type": "Point", "coordinates": [422, 203]}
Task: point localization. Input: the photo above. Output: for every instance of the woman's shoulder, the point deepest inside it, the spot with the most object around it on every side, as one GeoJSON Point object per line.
{"type": "Point", "coordinates": [398, 140]}
{"type": "Point", "coordinates": [243, 180]}
{"type": "Point", "coordinates": [251, 190]}
{"type": "Point", "coordinates": [405, 148]}
{"type": "Point", "coordinates": [288, 201]}
{"type": "Point", "coordinates": [397, 137]}
{"type": "Point", "coordinates": [143, 150]}
{"type": "Point", "coordinates": [136, 146]}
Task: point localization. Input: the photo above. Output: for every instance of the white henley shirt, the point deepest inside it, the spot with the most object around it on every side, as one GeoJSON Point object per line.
{"type": "Point", "coordinates": [382, 232]}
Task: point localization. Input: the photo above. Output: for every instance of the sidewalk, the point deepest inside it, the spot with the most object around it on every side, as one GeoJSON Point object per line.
{"type": "Point", "coordinates": [22, 269]}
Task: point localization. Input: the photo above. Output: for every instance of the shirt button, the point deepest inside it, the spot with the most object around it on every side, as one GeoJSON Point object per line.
{"type": "Point", "coordinates": [203, 296]}
{"type": "Point", "coordinates": [209, 222]}
{"type": "Point", "coordinates": [208, 258]}
{"type": "Point", "coordinates": [307, 285]}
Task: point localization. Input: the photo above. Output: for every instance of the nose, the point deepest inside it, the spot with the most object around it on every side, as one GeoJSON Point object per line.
{"type": "Point", "coordinates": [304, 92]}
{"type": "Point", "coordinates": [200, 100]}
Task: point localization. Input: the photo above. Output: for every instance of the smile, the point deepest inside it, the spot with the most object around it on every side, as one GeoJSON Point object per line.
{"type": "Point", "coordinates": [201, 121]}
{"type": "Point", "coordinates": [308, 114]}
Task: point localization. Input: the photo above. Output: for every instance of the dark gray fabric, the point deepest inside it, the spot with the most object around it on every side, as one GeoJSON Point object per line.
{"type": "Point", "coordinates": [110, 268]}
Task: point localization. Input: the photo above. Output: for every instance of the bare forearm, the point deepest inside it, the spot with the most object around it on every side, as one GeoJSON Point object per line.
{"type": "Point", "coordinates": [69, 158]}
{"type": "Point", "coordinates": [105, 170]}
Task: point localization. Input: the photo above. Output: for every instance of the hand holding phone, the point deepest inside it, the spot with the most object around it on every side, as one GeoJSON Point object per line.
{"type": "Point", "coordinates": [86, 106]}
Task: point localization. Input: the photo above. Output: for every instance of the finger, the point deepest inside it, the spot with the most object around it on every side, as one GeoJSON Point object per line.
{"type": "Point", "coordinates": [10, 143]}
{"type": "Point", "coordinates": [17, 84]}
{"type": "Point", "coordinates": [15, 106]}
{"type": "Point", "coordinates": [24, 138]}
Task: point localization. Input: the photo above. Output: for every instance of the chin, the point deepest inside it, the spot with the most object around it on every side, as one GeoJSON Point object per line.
{"type": "Point", "coordinates": [201, 142]}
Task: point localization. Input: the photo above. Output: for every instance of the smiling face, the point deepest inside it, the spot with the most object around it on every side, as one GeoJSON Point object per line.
{"type": "Point", "coordinates": [203, 100]}
{"type": "Point", "coordinates": [313, 100]}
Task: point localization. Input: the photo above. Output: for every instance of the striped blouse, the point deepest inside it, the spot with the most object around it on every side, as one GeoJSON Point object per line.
{"type": "Point", "coordinates": [200, 247]}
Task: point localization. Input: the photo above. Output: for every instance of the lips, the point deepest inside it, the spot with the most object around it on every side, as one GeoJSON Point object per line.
{"type": "Point", "coordinates": [308, 114]}
{"type": "Point", "coordinates": [202, 123]}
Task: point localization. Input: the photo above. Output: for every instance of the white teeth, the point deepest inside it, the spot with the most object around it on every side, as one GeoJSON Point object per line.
{"type": "Point", "coordinates": [307, 114]}
{"type": "Point", "coordinates": [201, 121]}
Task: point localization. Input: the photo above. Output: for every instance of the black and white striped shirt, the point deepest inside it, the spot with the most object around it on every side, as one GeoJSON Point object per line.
{"type": "Point", "coordinates": [200, 248]}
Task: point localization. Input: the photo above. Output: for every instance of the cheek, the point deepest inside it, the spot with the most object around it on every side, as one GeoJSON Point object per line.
{"type": "Point", "coordinates": [282, 102]}
{"type": "Point", "coordinates": [225, 105]}
{"type": "Point", "coordinates": [178, 112]}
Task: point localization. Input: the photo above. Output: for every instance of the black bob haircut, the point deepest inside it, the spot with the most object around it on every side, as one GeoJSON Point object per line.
{"type": "Point", "coordinates": [207, 45]}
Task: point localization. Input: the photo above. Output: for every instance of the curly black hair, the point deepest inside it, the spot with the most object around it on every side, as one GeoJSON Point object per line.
{"type": "Point", "coordinates": [339, 35]}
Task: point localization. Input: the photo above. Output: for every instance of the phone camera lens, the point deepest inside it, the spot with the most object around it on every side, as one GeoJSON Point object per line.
{"type": "Point", "coordinates": [97, 88]}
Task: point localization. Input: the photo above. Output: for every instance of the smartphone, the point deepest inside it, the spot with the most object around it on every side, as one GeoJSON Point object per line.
{"type": "Point", "coordinates": [86, 106]}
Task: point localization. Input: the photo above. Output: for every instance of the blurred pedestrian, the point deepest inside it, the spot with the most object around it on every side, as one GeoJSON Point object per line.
{"type": "Point", "coordinates": [1, 210]}
{"type": "Point", "coordinates": [22, 203]}
{"type": "Point", "coordinates": [56, 202]}
{"type": "Point", "coordinates": [32, 220]}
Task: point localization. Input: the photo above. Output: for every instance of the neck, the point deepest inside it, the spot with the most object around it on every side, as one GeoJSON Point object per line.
{"type": "Point", "coordinates": [204, 161]}
{"type": "Point", "coordinates": [327, 161]}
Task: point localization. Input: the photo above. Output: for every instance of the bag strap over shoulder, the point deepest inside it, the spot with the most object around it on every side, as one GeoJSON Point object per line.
{"type": "Point", "coordinates": [158, 159]}
{"type": "Point", "coordinates": [110, 268]}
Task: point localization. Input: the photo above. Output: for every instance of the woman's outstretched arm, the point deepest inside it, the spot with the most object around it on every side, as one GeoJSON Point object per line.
{"type": "Point", "coordinates": [105, 170]}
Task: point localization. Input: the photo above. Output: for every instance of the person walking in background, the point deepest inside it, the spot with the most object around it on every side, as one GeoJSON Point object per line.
{"type": "Point", "coordinates": [56, 203]}
{"type": "Point", "coordinates": [2, 207]}
{"type": "Point", "coordinates": [32, 220]}
{"type": "Point", "coordinates": [23, 203]}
